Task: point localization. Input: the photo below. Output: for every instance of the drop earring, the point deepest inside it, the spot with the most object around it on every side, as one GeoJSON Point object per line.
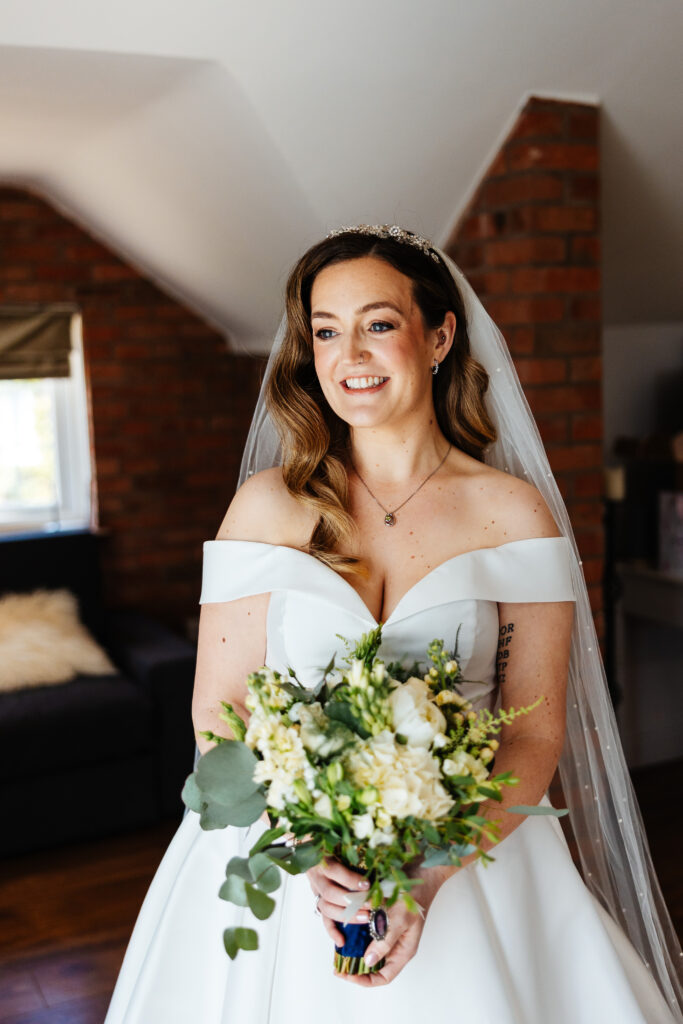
{"type": "Point", "coordinates": [435, 367]}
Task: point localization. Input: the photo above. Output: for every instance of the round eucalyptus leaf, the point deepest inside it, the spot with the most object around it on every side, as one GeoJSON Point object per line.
{"type": "Point", "coordinates": [224, 774]}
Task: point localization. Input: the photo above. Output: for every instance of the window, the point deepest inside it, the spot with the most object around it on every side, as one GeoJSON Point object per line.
{"type": "Point", "coordinates": [45, 468]}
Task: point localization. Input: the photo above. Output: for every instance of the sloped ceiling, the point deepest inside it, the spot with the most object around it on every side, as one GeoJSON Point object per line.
{"type": "Point", "coordinates": [211, 142]}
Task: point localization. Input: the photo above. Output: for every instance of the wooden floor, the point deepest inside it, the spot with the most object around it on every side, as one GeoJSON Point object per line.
{"type": "Point", "coordinates": [66, 915]}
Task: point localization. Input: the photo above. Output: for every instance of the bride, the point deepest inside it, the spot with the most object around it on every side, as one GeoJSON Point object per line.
{"type": "Point", "coordinates": [394, 474]}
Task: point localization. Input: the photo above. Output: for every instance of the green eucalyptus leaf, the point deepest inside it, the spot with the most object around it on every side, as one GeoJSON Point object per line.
{"type": "Point", "coordinates": [239, 866]}
{"type": "Point", "coordinates": [537, 809]}
{"type": "Point", "coordinates": [264, 873]}
{"type": "Point", "coordinates": [234, 890]}
{"type": "Point", "coordinates": [436, 858]}
{"type": "Point", "coordinates": [306, 856]}
{"type": "Point", "coordinates": [235, 939]}
{"type": "Point", "coordinates": [191, 794]}
{"type": "Point", "coordinates": [342, 713]}
{"type": "Point", "coordinates": [224, 774]}
{"type": "Point", "coordinates": [267, 838]}
{"type": "Point", "coordinates": [260, 904]}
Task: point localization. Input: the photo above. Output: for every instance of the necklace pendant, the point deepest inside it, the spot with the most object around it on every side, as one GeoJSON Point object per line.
{"type": "Point", "coordinates": [390, 519]}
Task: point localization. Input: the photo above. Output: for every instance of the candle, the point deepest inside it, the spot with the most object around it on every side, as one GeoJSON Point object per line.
{"type": "Point", "coordinates": [615, 483]}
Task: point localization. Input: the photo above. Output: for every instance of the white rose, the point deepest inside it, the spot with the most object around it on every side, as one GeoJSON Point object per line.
{"type": "Point", "coordinates": [415, 716]}
{"type": "Point", "coordinates": [407, 778]}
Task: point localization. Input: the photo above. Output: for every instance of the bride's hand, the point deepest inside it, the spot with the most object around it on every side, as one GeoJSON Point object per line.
{"type": "Point", "coordinates": [403, 936]}
{"type": "Point", "coordinates": [333, 881]}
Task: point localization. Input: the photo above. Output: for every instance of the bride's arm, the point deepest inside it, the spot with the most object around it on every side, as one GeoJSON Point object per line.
{"type": "Point", "coordinates": [533, 663]}
{"type": "Point", "coordinates": [232, 634]}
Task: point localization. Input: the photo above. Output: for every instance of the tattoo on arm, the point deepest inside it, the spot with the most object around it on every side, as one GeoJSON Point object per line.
{"type": "Point", "coordinates": [503, 653]}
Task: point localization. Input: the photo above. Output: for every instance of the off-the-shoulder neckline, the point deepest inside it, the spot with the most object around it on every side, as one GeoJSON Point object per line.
{"type": "Point", "coordinates": [409, 592]}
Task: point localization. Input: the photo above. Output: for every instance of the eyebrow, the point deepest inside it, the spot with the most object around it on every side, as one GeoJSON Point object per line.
{"type": "Point", "coordinates": [363, 309]}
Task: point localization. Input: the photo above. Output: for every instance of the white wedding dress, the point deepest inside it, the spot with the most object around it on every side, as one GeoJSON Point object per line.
{"type": "Point", "coordinates": [521, 941]}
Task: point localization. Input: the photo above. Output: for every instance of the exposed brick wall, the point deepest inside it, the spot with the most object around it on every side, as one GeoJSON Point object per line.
{"type": "Point", "coordinates": [169, 405]}
{"type": "Point", "coordinates": [529, 242]}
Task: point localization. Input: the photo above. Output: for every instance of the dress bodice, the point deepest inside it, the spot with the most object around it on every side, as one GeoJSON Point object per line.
{"type": "Point", "coordinates": [311, 604]}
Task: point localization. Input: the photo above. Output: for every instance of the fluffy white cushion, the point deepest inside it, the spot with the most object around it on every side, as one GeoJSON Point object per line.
{"type": "Point", "coordinates": [43, 641]}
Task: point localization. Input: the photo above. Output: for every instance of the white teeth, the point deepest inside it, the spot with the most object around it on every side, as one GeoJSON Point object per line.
{"type": "Point", "coordinates": [358, 383]}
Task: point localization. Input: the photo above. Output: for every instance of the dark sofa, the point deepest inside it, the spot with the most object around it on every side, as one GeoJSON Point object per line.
{"type": "Point", "coordinates": [98, 754]}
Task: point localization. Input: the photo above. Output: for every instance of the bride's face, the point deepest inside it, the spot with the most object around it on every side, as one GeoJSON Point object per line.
{"type": "Point", "coordinates": [372, 354]}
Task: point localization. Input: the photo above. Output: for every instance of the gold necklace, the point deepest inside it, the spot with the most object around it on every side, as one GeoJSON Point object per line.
{"type": "Point", "coordinates": [390, 517]}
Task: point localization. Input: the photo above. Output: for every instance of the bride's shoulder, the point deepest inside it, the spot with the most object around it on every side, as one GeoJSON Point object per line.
{"type": "Point", "coordinates": [521, 511]}
{"type": "Point", "coordinates": [264, 510]}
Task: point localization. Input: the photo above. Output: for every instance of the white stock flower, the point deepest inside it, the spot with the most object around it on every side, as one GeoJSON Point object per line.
{"type": "Point", "coordinates": [284, 759]}
{"type": "Point", "coordinates": [415, 716]}
{"type": "Point", "coordinates": [357, 674]}
{"type": "Point", "coordinates": [462, 763]}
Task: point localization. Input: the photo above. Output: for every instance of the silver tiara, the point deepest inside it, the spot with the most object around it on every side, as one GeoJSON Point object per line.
{"type": "Point", "coordinates": [390, 231]}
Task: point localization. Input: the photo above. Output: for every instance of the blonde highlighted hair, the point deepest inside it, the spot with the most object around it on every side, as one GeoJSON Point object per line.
{"type": "Point", "coordinates": [314, 439]}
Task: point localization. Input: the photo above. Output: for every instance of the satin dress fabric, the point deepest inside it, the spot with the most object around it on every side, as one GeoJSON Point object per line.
{"type": "Point", "coordinates": [520, 941]}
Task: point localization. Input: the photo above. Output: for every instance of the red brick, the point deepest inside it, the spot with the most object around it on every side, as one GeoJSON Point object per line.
{"type": "Point", "coordinates": [489, 282]}
{"type": "Point", "coordinates": [587, 427]}
{"type": "Point", "coordinates": [586, 368]}
{"type": "Point", "coordinates": [517, 251]}
{"type": "Point", "coordinates": [552, 156]}
{"type": "Point", "coordinates": [593, 569]}
{"type": "Point", "coordinates": [588, 485]}
{"type": "Point", "coordinates": [564, 218]}
{"type": "Point", "coordinates": [497, 166]}
{"type": "Point", "coordinates": [553, 429]}
{"type": "Point", "coordinates": [16, 273]}
{"type": "Point", "coordinates": [586, 308]}
{"type": "Point", "coordinates": [584, 124]}
{"type": "Point", "coordinates": [54, 272]}
{"type": "Point", "coordinates": [34, 251]}
{"type": "Point", "coordinates": [584, 249]}
{"type": "Point", "coordinates": [112, 272]}
{"type": "Point", "coordinates": [568, 338]}
{"type": "Point", "coordinates": [575, 456]}
{"type": "Point", "coordinates": [583, 188]}
{"type": "Point", "coordinates": [523, 188]}
{"type": "Point", "coordinates": [541, 371]}
{"type": "Point", "coordinates": [555, 279]}
{"type": "Point", "coordinates": [520, 340]}
{"type": "Point", "coordinates": [479, 225]}
{"type": "Point", "coordinates": [21, 210]}
{"type": "Point", "coordinates": [585, 513]}
{"type": "Point", "coordinates": [539, 124]}
{"type": "Point", "coordinates": [564, 398]}
{"type": "Point", "coordinates": [530, 310]}
{"type": "Point", "coordinates": [591, 542]}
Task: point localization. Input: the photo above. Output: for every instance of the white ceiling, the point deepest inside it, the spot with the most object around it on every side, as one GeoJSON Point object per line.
{"type": "Point", "coordinates": [211, 142]}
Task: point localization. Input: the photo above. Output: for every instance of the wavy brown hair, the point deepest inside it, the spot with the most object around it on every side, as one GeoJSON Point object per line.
{"type": "Point", "coordinates": [314, 439]}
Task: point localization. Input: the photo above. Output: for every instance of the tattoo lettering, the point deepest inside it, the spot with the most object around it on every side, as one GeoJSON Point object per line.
{"type": "Point", "coordinates": [503, 654]}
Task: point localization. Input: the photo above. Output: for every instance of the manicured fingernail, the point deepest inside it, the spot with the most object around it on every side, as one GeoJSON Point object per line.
{"type": "Point", "coordinates": [361, 916]}
{"type": "Point", "coordinates": [363, 885]}
{"type": "Point", "coordinates": [370, 959]}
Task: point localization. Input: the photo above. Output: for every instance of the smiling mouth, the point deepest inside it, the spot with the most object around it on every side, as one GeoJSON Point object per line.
{"type": "Point", "coordinates": [363, 383]}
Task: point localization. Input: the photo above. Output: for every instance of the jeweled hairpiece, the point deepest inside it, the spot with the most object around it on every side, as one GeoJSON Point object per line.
{"type": "Point", "coordinates": [390, 231]}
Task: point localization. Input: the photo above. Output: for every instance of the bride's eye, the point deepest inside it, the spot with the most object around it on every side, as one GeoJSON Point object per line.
{"type": "Point", "coordinates": [323, 333]}
{"type": "Point", "coordinates": [381, 324]}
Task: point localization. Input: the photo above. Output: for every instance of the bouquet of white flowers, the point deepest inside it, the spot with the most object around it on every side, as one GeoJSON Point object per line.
{"type": "Point", "coordinates": [378, 766]}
